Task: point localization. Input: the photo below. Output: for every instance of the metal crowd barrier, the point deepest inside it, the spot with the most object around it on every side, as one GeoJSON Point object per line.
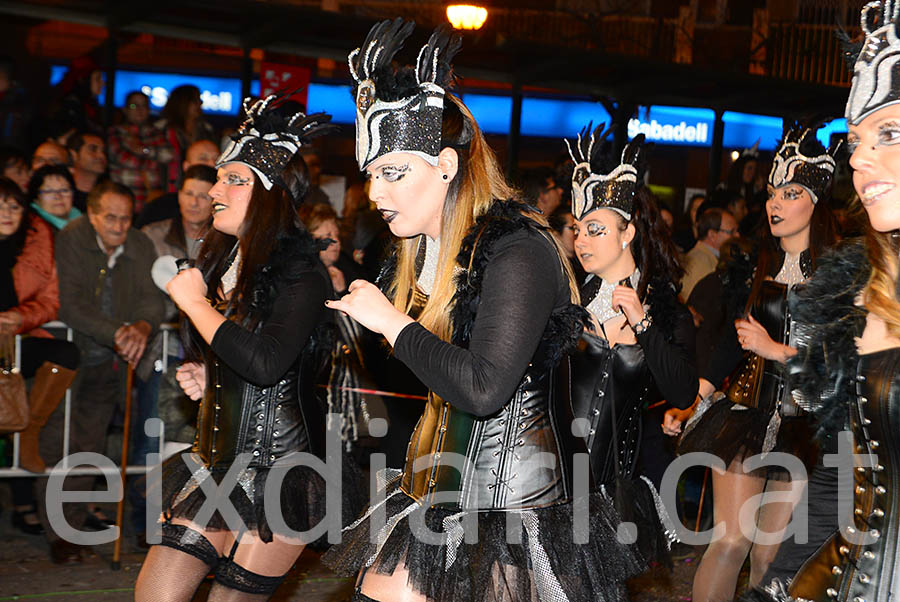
{"type": "Point", "coordinates": [14, 470]}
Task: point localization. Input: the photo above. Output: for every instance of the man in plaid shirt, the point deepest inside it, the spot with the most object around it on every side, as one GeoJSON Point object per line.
{"type": "Point", "coordinates": [138, 152]}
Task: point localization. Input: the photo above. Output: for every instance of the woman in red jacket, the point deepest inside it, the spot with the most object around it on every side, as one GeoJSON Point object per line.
{"type": "Point", "coordinates": [29, 297]}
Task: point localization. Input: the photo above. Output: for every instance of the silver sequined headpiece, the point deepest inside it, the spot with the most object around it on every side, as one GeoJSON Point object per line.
{"type": "Point", "coordinates": [802, 160]}
{"type": "Point", "coordinates": [400, 110]}
{"type": "Point", "coordinates": [613, 190]}
{"type": "Point", "coordinates": [268, 139]}
{"type": "Point", "coordinates": [876, 79]}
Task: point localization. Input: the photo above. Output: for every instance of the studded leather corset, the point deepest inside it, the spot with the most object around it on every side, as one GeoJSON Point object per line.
{"type": "Point", "coordinates": [871, 572]}
{"type": "Point", "coordinates": [520, 457]}
{"type": "Point", "coordinates": [610, 382]}
{"type": "Point", "coordinates": [236, 416]}
{"type": "Point", "coordinates": [758, 382]}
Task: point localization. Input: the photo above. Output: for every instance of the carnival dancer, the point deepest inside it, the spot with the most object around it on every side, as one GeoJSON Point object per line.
{"type": "Point", "coordinates": [483, 509]}
{"type": "Point", "coordinates": [758, 413]}
{"type": "Point", "coordinates": [849, 364]}
{"type": "Point", "coordinates": [640, 348]}
{"type": "Point", "coordinates": [254, 301]}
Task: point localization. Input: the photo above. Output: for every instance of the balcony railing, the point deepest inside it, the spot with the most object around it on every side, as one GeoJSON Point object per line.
{"type": "Point", "coordinates": [808, 53]}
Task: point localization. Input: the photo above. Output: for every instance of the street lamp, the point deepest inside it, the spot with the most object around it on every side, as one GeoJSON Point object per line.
{"type": "Point", "coordinates": [466, 16]}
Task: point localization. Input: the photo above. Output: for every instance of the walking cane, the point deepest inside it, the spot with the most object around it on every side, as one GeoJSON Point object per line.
{"type": "Point", "coordinates": [126, 435]}
{"type": "Point", "coordinates": [700, 505]}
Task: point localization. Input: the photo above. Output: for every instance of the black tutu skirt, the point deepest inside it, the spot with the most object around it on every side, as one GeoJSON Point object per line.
{"type": "Point", "coordinates": [637, 501]}
{"type": "Point", "coordinates": [302, 494]}
{"type": "Point", "coordinates": [734, 432]}
{"type": "Point", "coordinates": [519, 555]}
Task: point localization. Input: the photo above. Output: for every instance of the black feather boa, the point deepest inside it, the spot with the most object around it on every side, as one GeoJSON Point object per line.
{"type": "Point", "coordinates": [503, 218]}
{"type": "Point", "coordinates": [664, 306]}
{"type": "Point", "coordinates": [737, 281]}
{"type": "Point", "coordinates": [824, 369]}
{"type": "Point", "coordinates": [295, 253]}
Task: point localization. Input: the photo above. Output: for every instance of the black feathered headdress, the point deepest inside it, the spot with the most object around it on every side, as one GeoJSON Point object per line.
{"type": "Point", "coordinates": [600, 181]}
{"type": "Point", "coordinates": [801, 159]}
{"type": "Point", "coordinates": [268, 139]}
{"type": "Point", "coordinates": [400, 110]}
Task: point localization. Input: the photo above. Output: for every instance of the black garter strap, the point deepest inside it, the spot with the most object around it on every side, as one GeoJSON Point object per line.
{"type": "Point", "coordinates": [234, 576]}
{"type": "Point", "coordinates": [189, 541]}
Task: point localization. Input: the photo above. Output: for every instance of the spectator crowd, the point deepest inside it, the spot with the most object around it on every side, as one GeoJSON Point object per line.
{"type": "Point", "coordinates": [92, 220]}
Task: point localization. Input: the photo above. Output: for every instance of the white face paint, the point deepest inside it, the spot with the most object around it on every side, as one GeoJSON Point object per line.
{"type": "Point", "coordinates": [409, 193]}
{"type": "Point", "coordinates": [789, 210]}
{"type": "Point", "coordinates": [231, 197]}
{"type": "Point", "coordinates": [598, 240]}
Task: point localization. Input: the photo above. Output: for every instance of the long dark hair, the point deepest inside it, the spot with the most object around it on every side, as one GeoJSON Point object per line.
{"type": "Point", "coordinates": [15, 242]}
{"type": "Point", "coordinates": [652, 248]}
{"type": "Point", "coordinates": [175, 111]}
{"type": "Point", "coordinates": [823, 233]}
{"type": "Point", "coordinates": [271, 217]}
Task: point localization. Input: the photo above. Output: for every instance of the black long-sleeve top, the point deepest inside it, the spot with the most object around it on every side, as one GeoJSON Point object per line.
{"type": "Point", "coordinates": [673, 362]}
{"type": "Point", "coordinates": [262, 357]}
{"type": "Point", "coordinates": [523, 284]}
{"type": "Point", "coordinates": [725, 358]}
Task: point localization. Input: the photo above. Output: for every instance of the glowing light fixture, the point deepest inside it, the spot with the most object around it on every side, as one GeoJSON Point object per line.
{"type": "Point", "coordinates": [466, 16]}
{"type": "Point", "coordinates": [735, 155]}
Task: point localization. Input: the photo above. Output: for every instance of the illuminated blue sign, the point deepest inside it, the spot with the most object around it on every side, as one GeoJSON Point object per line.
{"type": "Point", "coordinates": [673, 125]}
{"type": "Point", "coordinates": [335, 100]}
{"type": "Point", "coordinates": [555, 118]}
{"type": "Point", "coordinates": [742, 130]}
{"type": "Point", "coordinates": [544, 117]}
{"type": "Point", "coordinates": [491, 112]}
{"type": "Point", "coordinates": [837, 126]}
{"type": "Point", "coordinates": [220, 95]}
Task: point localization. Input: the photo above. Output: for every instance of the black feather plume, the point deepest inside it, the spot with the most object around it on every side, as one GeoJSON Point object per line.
{"type": "Point", "coordinates": [434, 63]}
{"type": "Point", "coordinates": [382, 43]}
{"type": "Point", "coordinates": [850, 49]}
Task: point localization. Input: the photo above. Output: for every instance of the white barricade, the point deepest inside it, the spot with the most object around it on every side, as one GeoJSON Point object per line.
{"type": "Point", "coordinates": [14, 471]}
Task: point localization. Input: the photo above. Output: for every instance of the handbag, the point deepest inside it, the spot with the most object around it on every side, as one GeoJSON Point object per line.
{"type": "Point", "coordinates": [14, 413]}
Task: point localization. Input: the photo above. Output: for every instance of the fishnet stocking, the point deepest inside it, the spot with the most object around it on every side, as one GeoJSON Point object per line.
{"type": "Point", "coordinates": [255, 570]}
{"type": "Point", "coordinates": [222, 593]}
{"type": "Point", "coordinates": [169, 575]}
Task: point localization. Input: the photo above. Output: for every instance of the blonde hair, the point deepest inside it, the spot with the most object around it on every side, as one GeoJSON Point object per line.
{"type": "Point", "coordinates": [880, 293]}
{"type": "Point", "coordinates": [478, 183]}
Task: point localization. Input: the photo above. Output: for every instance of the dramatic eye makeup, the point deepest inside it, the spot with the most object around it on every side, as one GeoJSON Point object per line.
{"type": "Point", "coordinates": [392, 173]}
{"type": "Point", "coordinates": [592, 229]}
{"type": "Point", "coordinates": [233, 179]}
{"type": "Point", "coordinates": [793, 193]}
{"type": "Point", "coordinates": [889, 133]}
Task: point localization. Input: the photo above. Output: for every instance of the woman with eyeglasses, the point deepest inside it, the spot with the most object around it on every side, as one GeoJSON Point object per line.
{"type": "Point", "coordinates": [29, 297]}
{"type": "Point", "coordinates": [758, 413]}
{"type": "Point", "coordinates": [52, 191]}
